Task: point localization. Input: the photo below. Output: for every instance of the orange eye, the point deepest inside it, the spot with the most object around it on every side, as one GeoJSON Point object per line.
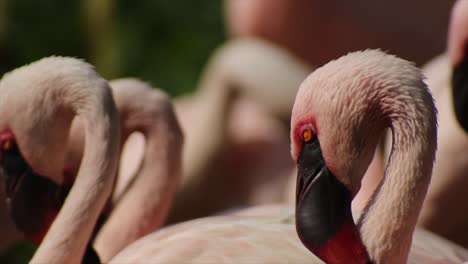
{"type": "Point", "coordinates": [6, 145]}
{"type": "Point", "coordinates": [307, 135]}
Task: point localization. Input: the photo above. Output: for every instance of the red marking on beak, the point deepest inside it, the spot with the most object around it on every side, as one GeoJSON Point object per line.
{"type": "Point", "coordinates": [344, 247]}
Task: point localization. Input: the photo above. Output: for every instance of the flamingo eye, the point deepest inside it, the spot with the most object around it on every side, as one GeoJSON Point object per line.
{"type": "Point", "coordinates": [6, 145]}
{"type": "Point", "coordinates": [307, 135]}
{"type": "Point", "coordinates": [304, 133]}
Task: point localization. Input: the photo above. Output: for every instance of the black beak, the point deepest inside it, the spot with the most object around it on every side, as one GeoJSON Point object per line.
{"type": "Point", "coordinates": [14, 168]}
{"type": "Point", "coordinates": [460, 92]}
{"type": "Point", "coordinates": [324, 220]}
{"type": "Point", "coordinates": [323, 203]}
{"type": "Point", "coordinates": [32, 200]}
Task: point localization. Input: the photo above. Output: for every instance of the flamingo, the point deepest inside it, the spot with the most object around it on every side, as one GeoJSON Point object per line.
{"type": "Point", "coordinates": [142, 195]}
{"type": "Point", "coordinates": [339, 112]}
{"type": "Point", "coordinates": [309, 144]}
{"type": "Point", "coordinates": [331, 163]}
{"type": "Point", "coordinates": [37, 106]}
{"type": "Point", "coordinates": [442, 211]}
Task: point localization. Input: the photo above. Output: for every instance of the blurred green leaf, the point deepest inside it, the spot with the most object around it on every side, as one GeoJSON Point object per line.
{"type": "Point", "coordinates": [165, 42]}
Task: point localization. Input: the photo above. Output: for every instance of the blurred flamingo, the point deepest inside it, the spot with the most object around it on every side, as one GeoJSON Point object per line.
{"type": "Point", "coordinates": [447, 74]}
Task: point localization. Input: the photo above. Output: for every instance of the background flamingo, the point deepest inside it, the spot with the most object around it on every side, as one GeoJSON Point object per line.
{"type": "Point", "coordinates": [442, 211]}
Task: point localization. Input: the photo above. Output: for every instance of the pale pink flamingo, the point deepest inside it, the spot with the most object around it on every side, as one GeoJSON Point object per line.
{"type": "Point", "coordinates": [444, 211]}
{"type": "Point", "coordinates": [143, 194]}
{"type": "Point", "coordinates": [339, 113]}
{"type": "Point", "coordinates": [37, 106]}
{"type": "Point", "coordinates": [376, 91]}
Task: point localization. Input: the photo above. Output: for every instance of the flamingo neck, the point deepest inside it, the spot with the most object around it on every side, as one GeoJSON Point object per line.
{"type": "Point", "coordinates": [213, 116]}
{"type": "Point", "coordinates": [199, 152]}
{"type": "Point", "coordinates": [66, 240]}
{"type": "Point", "coordinates": [153, 187]}
{"type": "Point", "coordinates": [399, 198]}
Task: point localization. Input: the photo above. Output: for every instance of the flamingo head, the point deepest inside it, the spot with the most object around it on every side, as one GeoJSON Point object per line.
{"type": "Point", "coordinates": [335, 128]}
{"type": "Point", "coordinates": [34, 124]}
{"type": "Point", "coordinates": [33, 200]}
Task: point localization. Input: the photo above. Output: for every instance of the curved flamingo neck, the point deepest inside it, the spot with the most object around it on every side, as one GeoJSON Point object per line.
{"type": "Point", "coordinates": [214, 116]}
{"type": "Point", "coordinates": [199, 152]}
{"type": "Point", "coordinates": [145, 202]}
{"type": "Point", "coordinates": [69, 234]}
{"type": "Point", "coordinates": [399, 198]}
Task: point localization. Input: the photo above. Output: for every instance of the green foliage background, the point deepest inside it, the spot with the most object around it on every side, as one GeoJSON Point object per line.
{"type": "Point", "coordinates": [165, 42]}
